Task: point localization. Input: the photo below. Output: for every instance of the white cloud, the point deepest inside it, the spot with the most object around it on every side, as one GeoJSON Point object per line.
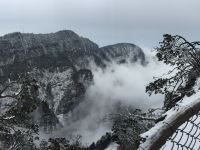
{"type": "Point", "coordinates": [123, 84]}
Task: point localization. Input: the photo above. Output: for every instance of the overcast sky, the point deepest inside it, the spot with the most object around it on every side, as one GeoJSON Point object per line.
{"type": "Point", "coordinates": [141, 22]}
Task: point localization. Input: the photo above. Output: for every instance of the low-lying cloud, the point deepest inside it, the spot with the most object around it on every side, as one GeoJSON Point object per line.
{"type": "Point", "coordinates": [117, 84]}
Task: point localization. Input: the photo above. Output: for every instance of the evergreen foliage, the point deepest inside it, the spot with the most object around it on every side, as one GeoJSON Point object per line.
{"type": "Point", "coordinates": [184, 58]}
{"type": "Point", "coordinates": [17, 129]}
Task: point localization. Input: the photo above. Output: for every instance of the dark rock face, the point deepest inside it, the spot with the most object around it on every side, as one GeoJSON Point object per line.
{"type": "Point", "coordinates": [47, 119]}
{"type": "Point", "coordinates": [60, 63]}
{"type": "Point", "coordinates": [17, 47]}
{"type": "Point", "coordinates": [23, 52]}
{"type": "Point", "coordinates": [122, 53]}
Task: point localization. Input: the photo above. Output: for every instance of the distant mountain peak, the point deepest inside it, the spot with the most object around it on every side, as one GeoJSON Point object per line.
{"type": "Point", "coordinates": [120, 44]}
{"type": "Point", "coordinates": [65, 32]}
{"type": "Point", "coordinates": [123, 52]}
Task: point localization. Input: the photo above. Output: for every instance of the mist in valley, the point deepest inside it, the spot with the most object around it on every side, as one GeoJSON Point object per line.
{"type": "Point", "coordinates": [115, 85]}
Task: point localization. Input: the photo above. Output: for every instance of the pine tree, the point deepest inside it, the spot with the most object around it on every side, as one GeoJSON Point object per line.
{"type": "Point", "coordinates": [184, 58]}
{"type": "Point", "coordinates": [17, 129]}
{"type": "Point", "coordinates": [127, 126]}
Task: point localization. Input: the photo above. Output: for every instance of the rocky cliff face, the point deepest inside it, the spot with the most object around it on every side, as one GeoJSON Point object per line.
{"type": "Point", "coordinates": [122, 53]}
{"type": "Point", "coordinates": [60, 63]}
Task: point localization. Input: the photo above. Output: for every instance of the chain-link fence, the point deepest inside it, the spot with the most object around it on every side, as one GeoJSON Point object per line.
{"type": "Point", "coordinates": [187, 136]}
{"type": "Point", "coordinates": [180, 130]}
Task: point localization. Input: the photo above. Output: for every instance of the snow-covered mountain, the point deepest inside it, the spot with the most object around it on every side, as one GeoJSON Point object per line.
{"type": "Point", "coordinates": [61, 64]}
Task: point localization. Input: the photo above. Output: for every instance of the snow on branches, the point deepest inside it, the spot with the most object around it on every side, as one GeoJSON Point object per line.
{"type": "Point", "coordinates": [184, 58]}
{"type": "Point", "coordinates": [16, 125]}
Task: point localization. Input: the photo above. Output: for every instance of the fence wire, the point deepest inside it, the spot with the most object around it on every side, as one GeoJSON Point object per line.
{"type": "Point", "coordinates": [186, 137]}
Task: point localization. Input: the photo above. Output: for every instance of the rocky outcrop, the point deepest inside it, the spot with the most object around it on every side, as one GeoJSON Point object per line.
{"type": "Point", "coordinates": [122, 53]}
{"type": "Point", "coordinates": [17, 47]}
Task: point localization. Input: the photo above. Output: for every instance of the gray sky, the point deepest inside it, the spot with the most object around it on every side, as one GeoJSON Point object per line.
{"type": "Point", "coordinates": [141, 22]}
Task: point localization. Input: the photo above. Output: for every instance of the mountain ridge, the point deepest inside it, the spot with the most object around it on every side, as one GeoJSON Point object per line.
{"type": "Point", "coordinates": [60, 62]}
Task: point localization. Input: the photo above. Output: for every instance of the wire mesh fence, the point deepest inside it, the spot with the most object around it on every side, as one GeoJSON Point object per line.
{"type": "Point", "coordinates": [186, 137]}
{"type": "Point", "coordinates": [179, 130]}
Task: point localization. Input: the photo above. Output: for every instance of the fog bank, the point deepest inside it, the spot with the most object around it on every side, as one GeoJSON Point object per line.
{"type": "Point", "coordinates": [117, 84]}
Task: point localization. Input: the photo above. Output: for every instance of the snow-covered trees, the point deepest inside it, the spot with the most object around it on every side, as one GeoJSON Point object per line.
{"type": "Point", "coordinates": [128, 124]}
{"type": "Point", "coordinates": [181, 94]}
{"type": "Point", "coordinates": [17, 129]}
{"type": "Point", "coordinates": [184, 57]}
